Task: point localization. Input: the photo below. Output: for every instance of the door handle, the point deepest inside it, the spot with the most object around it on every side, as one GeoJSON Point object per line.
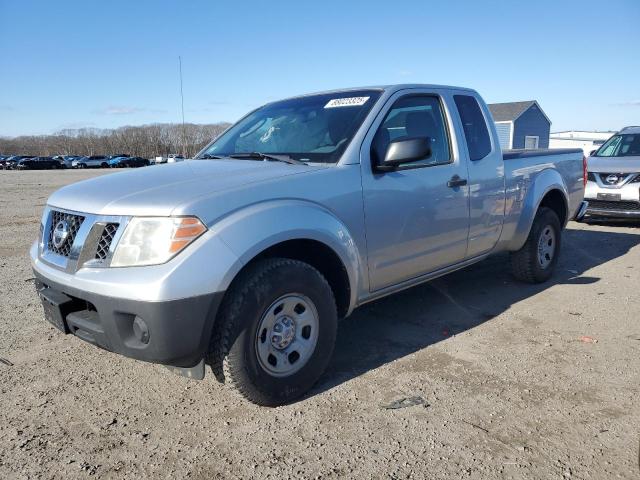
{"type": "Point", "coordinates": [456, 181]}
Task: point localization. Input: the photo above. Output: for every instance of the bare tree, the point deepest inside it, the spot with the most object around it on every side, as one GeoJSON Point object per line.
{"type": "Point", "coordinates": [143, 141]}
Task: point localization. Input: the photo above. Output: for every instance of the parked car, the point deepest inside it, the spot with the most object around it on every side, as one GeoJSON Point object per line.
{"type": "Point", "coordinates": [40, 163]}
{"type": "Point", "coordinates": [613, 189]}
{"type": "Point", "coordinates": [3, 161]}
{"type": "Point", "coordinates": [12, 162]}
{"type": "Point", "coordinates": [67, 159]}
{"type": "Point", "coordinates": [93, 161]}
{"type": "Point", "coordinates": [121, 162]}
{"type": "Point", "coordinates": [305, 209]}
{"type": "Point", "coordinates": [171, 158]}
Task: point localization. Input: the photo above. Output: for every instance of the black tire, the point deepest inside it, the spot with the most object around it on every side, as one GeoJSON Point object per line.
{"type": "Point", "coordinates": [82, 165]}
{"type": "Point", "coordinates": [104, 165]}
{"type": "Point", "coordinates": [233, 352]}
{"type": "Point", "coordinates": [526, 263]}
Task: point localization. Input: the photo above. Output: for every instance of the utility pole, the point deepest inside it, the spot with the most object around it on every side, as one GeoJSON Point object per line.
{"type": "Point", "coordinates": [184, 139]}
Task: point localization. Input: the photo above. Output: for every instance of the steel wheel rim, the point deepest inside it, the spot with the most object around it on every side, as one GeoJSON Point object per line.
{"type": "Point", "coordinates": [546, 246]}
{"type": "Point", "coordinates": [287, 335]}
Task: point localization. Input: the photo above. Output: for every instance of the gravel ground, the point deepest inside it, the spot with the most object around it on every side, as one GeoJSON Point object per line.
{"type": "Point", "coordinates": [505, 386]}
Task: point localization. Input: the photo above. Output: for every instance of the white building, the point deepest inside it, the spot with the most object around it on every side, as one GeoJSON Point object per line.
{"type": "Point", "coordinates": [587, 141]}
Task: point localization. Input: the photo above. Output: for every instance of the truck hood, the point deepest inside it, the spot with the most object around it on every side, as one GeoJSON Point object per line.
{"type": "Point", "coordinates": [614, 164]}
{"type": "Point", "coordinates": [160, 189]}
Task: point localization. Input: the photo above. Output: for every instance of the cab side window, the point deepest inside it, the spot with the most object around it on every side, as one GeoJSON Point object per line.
{"type": "Point", "coordinates": [410, 117]}
{"type": "Point", "coordinates": [474, 125]}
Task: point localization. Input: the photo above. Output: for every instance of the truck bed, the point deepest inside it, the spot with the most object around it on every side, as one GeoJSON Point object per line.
{"type": "Point", "coordinates": [541, 152]}
{"type": "Point", "coordinates": [559, 166]}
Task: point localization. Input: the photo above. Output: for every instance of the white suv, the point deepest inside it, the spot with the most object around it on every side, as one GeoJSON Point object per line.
{"type": "Point", "coordinates": [613, 187]}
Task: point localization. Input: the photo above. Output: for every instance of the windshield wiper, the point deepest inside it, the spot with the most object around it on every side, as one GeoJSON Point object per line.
{"type": "Point", "coordinates": [268, 156]}
{"type": "Point", "coordinates": [211, 156]}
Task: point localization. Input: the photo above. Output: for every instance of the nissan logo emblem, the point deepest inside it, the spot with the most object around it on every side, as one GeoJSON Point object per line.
{"type": "Point", "coordinates": [612, 179]}
{"type": "Point", "coordinates": [60, 233]}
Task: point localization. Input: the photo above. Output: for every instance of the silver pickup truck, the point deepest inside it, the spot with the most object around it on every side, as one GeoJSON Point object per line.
{"type": "Point", "coordinates": [245, 257]}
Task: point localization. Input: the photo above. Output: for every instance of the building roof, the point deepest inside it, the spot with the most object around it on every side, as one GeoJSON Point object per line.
{"type": "Point", "coordinates": [510, 111]}
{"type": "Point", "coordinates": [581, 135]}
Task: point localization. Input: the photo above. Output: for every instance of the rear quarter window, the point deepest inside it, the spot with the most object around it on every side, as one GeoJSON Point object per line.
{"type": "Point", "coordinates": [474, 125]}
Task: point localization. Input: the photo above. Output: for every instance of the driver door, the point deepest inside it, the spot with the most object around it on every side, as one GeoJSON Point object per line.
{"type": "Point", "coordinates": [416, 219]}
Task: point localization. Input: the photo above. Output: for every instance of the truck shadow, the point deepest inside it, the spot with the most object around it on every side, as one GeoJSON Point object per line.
{"type": "Point", "coordinates": [409, 321]}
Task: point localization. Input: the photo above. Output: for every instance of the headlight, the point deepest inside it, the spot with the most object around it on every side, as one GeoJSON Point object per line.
{"type": "Point", "coordinates": [155, 240]}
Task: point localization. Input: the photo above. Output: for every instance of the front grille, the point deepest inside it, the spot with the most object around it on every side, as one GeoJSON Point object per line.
{"type": "Point", "coordinates": [106, 238]}
{"type": "Point", "coordinates": [611, 205]}
{"type": "Point", "coordinates": [73, 223]}
{"type": "Point", "coordinates": [621, 178]}
{"type": "Point", "coordinates": [603, 178]}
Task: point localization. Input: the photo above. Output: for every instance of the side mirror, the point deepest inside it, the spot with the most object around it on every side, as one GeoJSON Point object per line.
{"type": "Point", "coordinates": [592, 153]}
{"type": "Point", "coordinates": [405, 150]}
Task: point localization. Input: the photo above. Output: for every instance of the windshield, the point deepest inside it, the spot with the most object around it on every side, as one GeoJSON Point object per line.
{"type": "Point", "coordinates": [314, 128]}
{"type": "Point", "coordinates": [626, 145]}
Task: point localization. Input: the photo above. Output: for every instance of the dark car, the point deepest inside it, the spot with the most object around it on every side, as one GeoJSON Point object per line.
{"type": "Point", "coordinates": [122, 162]}
{"type": "Point", "coordinates": [40, 163]}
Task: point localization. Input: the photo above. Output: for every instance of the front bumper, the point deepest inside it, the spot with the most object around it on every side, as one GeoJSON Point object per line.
{"type": "Point", "coordinates": [613, 202]}
{"type": "Point", "coordinates": [612, 212]}
{"type": "Point", "coordinates": [173, 332]}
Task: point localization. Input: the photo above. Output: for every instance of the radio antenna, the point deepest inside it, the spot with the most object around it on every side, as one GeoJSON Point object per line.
{"type": "Point", "coordinates": [184, 139]}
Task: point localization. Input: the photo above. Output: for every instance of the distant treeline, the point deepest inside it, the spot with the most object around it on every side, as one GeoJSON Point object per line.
{"type": "Point", "coordinates": [144, 141]}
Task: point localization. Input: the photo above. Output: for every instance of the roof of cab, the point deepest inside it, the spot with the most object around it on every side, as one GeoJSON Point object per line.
{"type": "Point", "coordinates": [631, 129]}
{"type": "Point", "coordinates": [387, 88]}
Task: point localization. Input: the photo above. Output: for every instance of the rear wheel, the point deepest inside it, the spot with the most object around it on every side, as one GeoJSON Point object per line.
{"type": "Point", "coordinates": [536, 260]}
{"type": "Point", "coordinates": [104, 165]}
{"type": "Point", "coordinates": [275, 331]}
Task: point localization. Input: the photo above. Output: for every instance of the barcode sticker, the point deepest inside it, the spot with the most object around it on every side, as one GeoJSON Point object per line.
{"type": "Point", "coordinates": [346, 102]}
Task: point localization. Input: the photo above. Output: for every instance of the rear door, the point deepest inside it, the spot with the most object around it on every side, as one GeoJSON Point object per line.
{"type": "Point", "coordinates": [415, 222]}
{"type": "Point", "coordinates": [482, 150]}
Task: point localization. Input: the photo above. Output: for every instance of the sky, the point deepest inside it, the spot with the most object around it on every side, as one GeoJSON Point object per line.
{"type": "Point", "coordinates": [105, 64]}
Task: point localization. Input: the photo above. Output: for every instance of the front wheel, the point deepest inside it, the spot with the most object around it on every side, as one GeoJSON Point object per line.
{"type": "Point", "coordinates": [275, 332]}
{"type": "Point", "coordinates": [536, 260]}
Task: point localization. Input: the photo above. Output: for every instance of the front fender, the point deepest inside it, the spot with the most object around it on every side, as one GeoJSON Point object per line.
{"type": "Point", "coordinates": [542, 183]}
{"type": "Point", "coordinates": [252, 229]}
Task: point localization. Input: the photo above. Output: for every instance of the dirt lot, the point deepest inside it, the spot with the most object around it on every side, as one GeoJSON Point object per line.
{"type": "Point", "coordinates": [510, 390]}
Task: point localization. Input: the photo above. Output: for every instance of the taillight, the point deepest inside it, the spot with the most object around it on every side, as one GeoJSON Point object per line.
{"type": "Point", "coordinates": [584, 170]}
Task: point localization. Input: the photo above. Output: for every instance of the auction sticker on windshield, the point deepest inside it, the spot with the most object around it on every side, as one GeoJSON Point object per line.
{"type": "Point", "coordinates": [346, 102]}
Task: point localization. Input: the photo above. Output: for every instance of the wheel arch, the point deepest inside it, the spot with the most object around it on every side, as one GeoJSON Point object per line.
{"type": "Point", "coordinates": [556, 201]}
{"type": "Point", "coordinates": [320, 256]}
{"type": "Point", "coordinates": [301, 231]}
{"type": "Point", "coordinates": [547, 190]}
